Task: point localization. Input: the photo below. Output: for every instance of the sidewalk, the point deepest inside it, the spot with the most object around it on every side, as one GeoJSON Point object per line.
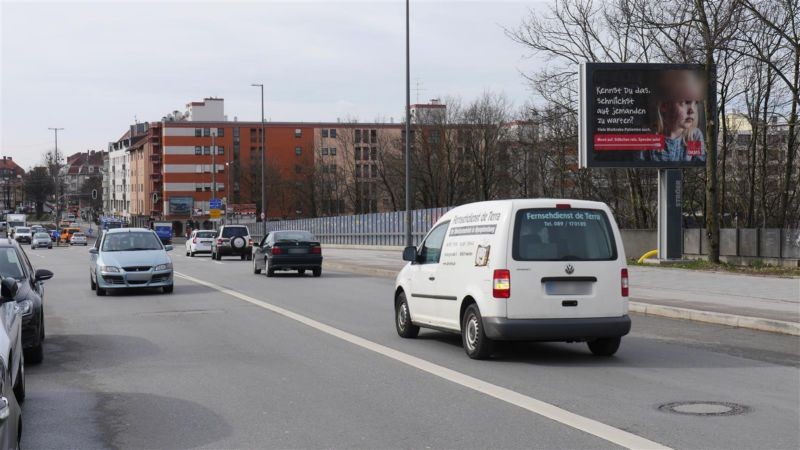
{"type": "Point", "coordinates": [746, 301]}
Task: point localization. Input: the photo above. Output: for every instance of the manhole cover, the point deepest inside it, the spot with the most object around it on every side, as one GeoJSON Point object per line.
{"type": "Point", "coordinates": [704, 408]}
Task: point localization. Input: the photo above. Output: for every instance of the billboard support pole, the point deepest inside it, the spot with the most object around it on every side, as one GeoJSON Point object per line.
{"type": "Point", "coordinates": [670, 214]}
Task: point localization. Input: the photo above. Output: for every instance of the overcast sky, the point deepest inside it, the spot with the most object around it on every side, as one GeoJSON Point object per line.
{"type": "Point", "coordinates": [95, 67]}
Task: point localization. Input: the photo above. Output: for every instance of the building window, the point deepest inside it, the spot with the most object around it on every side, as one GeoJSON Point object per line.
{"type": "Point", "coordinates": [236, 132]}
{"type": "Point", "coordinates": [435, 136]}
{"type": "Point", "coordinates": [206, 150]}
{"type": "Point", "coordinates": [333, 151]}
{"type": "Point", "coordinates": [374, 171]}
{"type": "Point", "coordinates": [324, 150]}
{"type": "Point", "coordinates": [206, 131]}
{"type": "Point", "coordinates": [324, 132]}
{"type": "Point", "coordinates": [220, 150]}
{"type": "Point", "coordinates": [198, 132]}
{"type": "Point", "coordinates": [374, 153]}
{"type": "Point", "coordinates": [373, 136]}
{"type": "Point", "coordinates": [298, 151]}
{"type": "Point", "coordinates": [298, 168]}
{"type": "Point", "coordinates": [357, 153]}
{"type": "Point", "coordinates": [220, 131]}
{"type": "Point", "coordinates": [298, 132]}
{"type": "Point", "coordinates": [358, 136]}
{"type": "Point", "coordinates": [198, 187]}
{"type": "Point", "coordinates": [198, 150]}
{"type": "Point", "coordinates": [333, 132]}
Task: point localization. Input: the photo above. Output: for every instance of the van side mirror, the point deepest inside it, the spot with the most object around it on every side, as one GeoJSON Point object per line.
{"type": "Point", "coordinates": [8, 289]}
{"type": "Point", "coordinates": [93, 251]}
{"type": "Point", "coordinates": [410, 254]}
{"type": "Point", "coordinates": [168, 248]}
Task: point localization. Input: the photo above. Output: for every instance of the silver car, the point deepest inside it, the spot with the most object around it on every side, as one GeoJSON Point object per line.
{"type": "Point", "coordinates": [78, 239]}
{"type": "Point", "coordinates": [125, 258]}
{"type": "Point", "coordinates": [41, 240]}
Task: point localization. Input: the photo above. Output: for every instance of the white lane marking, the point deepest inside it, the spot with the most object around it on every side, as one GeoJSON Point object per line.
{"type": "Point", "coordinates": [593, 427]}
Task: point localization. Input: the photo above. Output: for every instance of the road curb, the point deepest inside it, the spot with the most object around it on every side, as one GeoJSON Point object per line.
{"type": "Point", "coordinates": [647, 309]}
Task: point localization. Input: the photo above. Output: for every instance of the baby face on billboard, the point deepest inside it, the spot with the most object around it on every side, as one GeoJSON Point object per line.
{"type": "Point", "coordinates": [682, 94]}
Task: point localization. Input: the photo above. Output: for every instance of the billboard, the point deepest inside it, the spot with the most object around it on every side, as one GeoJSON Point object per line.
{"type": "Point", "coordinates": [180, 206]}
{"type": "Point", "coordinates": [643, 115]}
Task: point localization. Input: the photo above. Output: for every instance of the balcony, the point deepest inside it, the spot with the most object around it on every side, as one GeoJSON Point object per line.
{"type": "Point", "coordinates": [156, 158]}
{"type": "Point", "coordinates": [155, 176]}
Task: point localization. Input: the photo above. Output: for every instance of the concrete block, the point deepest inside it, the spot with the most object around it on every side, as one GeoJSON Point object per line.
{"type": "Point", "coordinates": [770, 243]}
{"type": "Point", "coordinates": [727, 242]}
{"type": "Point", "coordinates": [691, 241]}
{"type": "Point", "coordinates": [748, 242]}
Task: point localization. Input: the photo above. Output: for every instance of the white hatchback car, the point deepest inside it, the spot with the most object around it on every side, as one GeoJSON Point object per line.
{"type": "Point", "coordinates": [78, 239]}
{"type": "Point", "coordinates": [527, 270]}
{"type": "Point", "coordinates": [200, 242]}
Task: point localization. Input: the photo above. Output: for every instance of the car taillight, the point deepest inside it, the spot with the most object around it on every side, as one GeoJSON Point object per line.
{"type": "Point", "coordinates": [249, 242]}
{"type": "Point", "coordinates": [624, 282]}
{"type": "Point", "coordinates": [501, 284]}
{"type": "Point", "coordinates": [276, 250]}
{"type": "Point", "coordinates": [316, 250]}
{"type": "Point", "coordinates": [219, 241]}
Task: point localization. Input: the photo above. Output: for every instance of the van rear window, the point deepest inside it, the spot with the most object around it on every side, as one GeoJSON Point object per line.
{"type": "Point", "coordinates": [546, 234]}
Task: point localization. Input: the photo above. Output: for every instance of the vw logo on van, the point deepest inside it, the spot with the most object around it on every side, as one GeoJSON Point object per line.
{"type": "Point", "coordinates": [569, 269]}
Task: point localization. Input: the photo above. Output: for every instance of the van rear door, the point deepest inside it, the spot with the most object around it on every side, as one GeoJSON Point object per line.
{"type": "Point", "coordinates": [564, 263]}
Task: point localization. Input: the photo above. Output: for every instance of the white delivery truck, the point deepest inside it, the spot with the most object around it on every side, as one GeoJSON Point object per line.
{"type": "Point", "coordinates": [15, 220]}
{"type": "Point", "coordinates": [527, 270]}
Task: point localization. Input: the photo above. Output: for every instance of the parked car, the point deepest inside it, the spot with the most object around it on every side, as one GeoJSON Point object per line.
{"type": "Point", "coordinates": [526, 270]}
{"type": "Point", "coordinates": [78, 238]}
{"type": "Point", "coordinates": [14, 263]}
{"type": "Point", "coordinates": [12, 369]}
{"type": "Point", "coordinates": [200, 242]}
{"type": "Point", "coordinates": [41, 239]}
{"type": "Point", "coordinates": [288, 250]}
{"type": "Point", "coordinates": [232, 240]}
{"type": "Point", "coordinates": [130, 258]}
{"type": "Point", "coordinates": [23, 235]}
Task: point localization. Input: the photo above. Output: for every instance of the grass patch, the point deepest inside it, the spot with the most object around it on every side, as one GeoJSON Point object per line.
{"type": "Point", "coordinates": [756, 267]}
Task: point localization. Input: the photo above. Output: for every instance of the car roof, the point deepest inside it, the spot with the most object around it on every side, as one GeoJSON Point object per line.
{"type": "Point", "coordinates": [127, 230]}
{"type": "Point", "coordinates": [5, 243]}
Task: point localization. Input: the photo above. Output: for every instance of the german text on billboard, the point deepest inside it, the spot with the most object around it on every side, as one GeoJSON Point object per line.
{"type": "Point", "coordinates": [643, 115]}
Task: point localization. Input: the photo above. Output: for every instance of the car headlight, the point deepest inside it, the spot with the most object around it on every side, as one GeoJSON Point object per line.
{"type": "Point", "coordinates": [163, 266]}
{"type": "Point", "coordinates": [25, 307]}
{"type": "Point", "coordinates": [109, 269]}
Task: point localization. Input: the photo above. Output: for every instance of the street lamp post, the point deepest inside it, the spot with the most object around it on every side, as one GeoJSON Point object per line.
{"type": "Point", "coordinates": [263, 162]}
{"type": "Point", "coordinates": [409, 241]}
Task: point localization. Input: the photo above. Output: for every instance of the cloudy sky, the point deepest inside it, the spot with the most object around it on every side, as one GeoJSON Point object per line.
{"type": "Point", "coordinates": [95, 67]}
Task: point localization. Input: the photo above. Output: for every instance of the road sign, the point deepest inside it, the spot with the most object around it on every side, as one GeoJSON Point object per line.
{"type": "Point", "coordinates": [215, 203]}
{"type": "Point", "coordinates": [215, 213]}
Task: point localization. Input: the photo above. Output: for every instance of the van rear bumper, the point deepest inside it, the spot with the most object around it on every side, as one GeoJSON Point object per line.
{"type": "Point", "coordinates": [556, 329]}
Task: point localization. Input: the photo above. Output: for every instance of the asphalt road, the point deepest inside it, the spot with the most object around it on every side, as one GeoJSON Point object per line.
{"type": "Point", "coordinates": [235, 360]}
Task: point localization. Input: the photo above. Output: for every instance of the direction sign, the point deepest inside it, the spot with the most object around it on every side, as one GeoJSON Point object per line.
{"type": "Point", "coordinates": [215, 203]}
{"type": "Point", "coordinates": [215, 213]}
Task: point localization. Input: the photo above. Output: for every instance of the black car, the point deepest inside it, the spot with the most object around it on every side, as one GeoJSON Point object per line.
{"type": "Point", "coordinates": [12, 368]}
{"type": "Point", "coordinates": [14, 263]}
{"type": "Point", "coordinates": [288, 250]}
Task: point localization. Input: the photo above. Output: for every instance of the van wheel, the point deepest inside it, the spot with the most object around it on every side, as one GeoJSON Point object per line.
{"type": "Point", "coordinates": [476, 344]}
{"type": "Point", "coordinates": [402, 317]}
{"type": "Point", "coordinates": [605, 346]}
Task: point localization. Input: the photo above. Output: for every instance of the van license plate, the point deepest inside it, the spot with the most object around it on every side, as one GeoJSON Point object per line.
{"type": "Point", "coordinates": [568, 287]}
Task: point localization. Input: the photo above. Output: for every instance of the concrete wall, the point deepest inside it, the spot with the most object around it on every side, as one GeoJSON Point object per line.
{"type": "Point", "coordinates": [772, 243]}
{"type": "Point", "coordinates": [638, 242]}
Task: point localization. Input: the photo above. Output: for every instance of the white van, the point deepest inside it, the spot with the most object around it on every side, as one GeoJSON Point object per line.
{"type": "Point", "coordinates": [530, 270]}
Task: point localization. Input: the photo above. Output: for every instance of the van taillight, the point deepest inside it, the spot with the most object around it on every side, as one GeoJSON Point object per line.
{"type": "Point", "coordinates": [501, 284]}
{"type": "Point", "coordinates": [624, 281]}
{"type": "Point", "coordinates": [316, 250]}
{"type": "Point", "coordinates": [276, 250]}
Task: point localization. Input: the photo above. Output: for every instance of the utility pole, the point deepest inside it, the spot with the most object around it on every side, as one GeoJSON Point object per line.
{"type": "Point", "coordinates": [59, 192]}
{"type": "Point", "coordinates": [263, 162]}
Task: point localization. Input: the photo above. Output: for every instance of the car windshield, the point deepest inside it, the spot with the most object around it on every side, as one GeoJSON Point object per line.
{"type": "Point", "coordinates": [563, 235]}
{"type": "Point", "coordinates": [42, 236]}
{"type": "Point", "coordinates": [10, 265]}
{"type": "Point", "coordinates": [234, 231]}
{"type": "Point", "coordinates": [206, 234]}
{"type": "Point", "coordinates": [132, 241]}
{"type": "Point", "coordinates": [23, 230]}
{"type": "Point", "coordinates": [294, 236]}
